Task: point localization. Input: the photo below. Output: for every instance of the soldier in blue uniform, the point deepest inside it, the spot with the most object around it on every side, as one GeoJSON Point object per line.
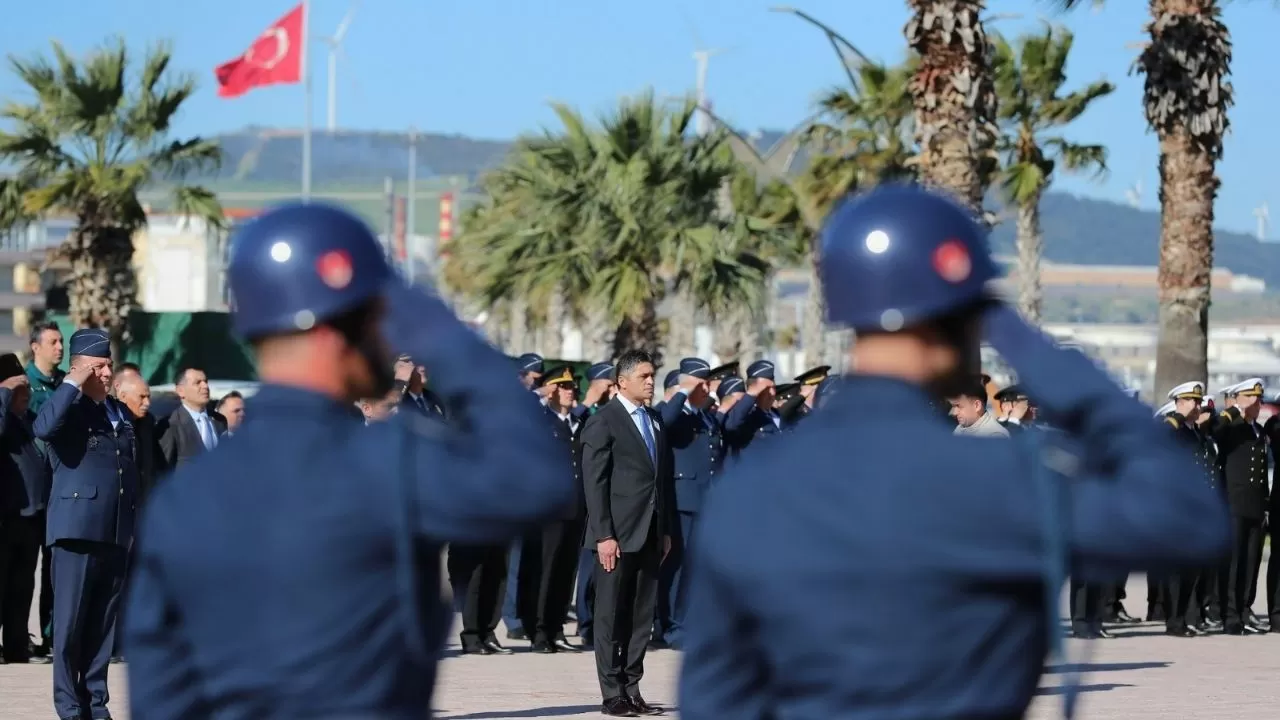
{"type": "Point", "coordinates": [950, 571]}
{"type": "Point", "coordinates": [600, 389]}
{"type": "Point", "coordinates": [90, 522]}
{"type": "Point", "coordinates": [754, 416]}
{"type": "Point", "coordinates": [696, 440]}
{"type": "Point", "coordinates": [295, 572]}
{"type": "Point", "coordinates": [798, 397]}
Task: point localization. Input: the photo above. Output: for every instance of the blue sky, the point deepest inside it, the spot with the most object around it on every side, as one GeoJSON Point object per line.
{"type": "Point", "coordinates": [487, 68]}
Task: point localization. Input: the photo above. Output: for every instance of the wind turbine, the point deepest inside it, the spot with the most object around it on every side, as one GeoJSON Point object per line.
{"type": "Point", "coordinates": [1263, 214]}
{"type": "Point", "coordinates": [702, 58]}
{"type": "Point", "coordinates": [334, 42]}
{"type": "Point", "coordinates": [1134, 194]}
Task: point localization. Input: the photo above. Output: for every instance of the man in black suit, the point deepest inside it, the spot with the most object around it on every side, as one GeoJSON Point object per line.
{"type": "Point", "coordinates": [192, 428]}
{"type": "Point", "coordinates": [627, 480]}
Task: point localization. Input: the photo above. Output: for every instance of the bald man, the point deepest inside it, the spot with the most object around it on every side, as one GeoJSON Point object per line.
{"type": "Point", "coordinates": [132, 390]}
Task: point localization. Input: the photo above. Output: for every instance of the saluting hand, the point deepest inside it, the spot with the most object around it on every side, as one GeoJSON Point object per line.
{"type": "Point", "coordinates": [81, 371]}
{"type": "Point", "coordinates": [15, 382]}
{"type": "Point", "coordinates": [609, 554]}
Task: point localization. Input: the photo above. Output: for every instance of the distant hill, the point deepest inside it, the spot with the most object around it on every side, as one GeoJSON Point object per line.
{"type": "Point", "coordinates": [1077, 230]}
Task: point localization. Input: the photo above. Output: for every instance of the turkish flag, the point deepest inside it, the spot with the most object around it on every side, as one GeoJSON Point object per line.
{"type": "Point", "coordinates": [275, 58]}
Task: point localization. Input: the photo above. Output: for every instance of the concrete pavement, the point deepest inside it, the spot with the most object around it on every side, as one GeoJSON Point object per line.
{"type": "Point", "coordinates": [1139, 675]}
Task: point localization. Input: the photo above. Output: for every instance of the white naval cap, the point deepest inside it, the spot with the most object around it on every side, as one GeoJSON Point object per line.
{"type": "Point", "coordinates": [1251, 387]}
{"type": "Point", "coordinates": [1164, 409]}
{"type": "Point", "coordinates": [1193, 390]}
{"type": "Point", "coordinates": [1228, 390]}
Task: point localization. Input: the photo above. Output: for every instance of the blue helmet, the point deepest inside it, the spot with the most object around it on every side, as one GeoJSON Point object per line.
{"type": "Point", "coordinates": [899, 255]}
{"type": "Point", "coordinates": [298, 265]}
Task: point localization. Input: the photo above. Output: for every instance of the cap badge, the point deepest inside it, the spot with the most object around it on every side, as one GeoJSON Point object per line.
{"type": "Point", "coordinates": [335, 269]}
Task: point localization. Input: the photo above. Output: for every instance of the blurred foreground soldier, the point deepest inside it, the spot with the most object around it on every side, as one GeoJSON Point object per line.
{"type": "Point", "coordinates": [950, 599]}
{"type": "Point", "coordinates": [321, 596]}
{"type": "Point", "coordinates": [549, 554]}
{"type": "Point", "coordinates": [91, 513]}
{"type": "Point", "coordinates": [1184, 586]}
{"type": "Point", "coordinates": [24, 493]}
{"type": "Point", "coordinates": [1242, 452]}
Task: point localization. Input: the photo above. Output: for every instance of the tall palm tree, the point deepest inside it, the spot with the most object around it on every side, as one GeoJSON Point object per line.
{"type": "Point", "coordinates": [616, 217]}
{"type": "Point", "coordinates": [1186, 95]}
{"type": "Point", "coordinates": [1029, 80]}
{"type": "Point", "coordinates": [96, 133]}
{"type": "Point", "coordinates": [954, 93]}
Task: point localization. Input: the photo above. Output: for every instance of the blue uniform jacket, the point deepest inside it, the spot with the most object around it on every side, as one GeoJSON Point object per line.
{"type": "Point", "coordinates": [697, 442]}
{"type": "Point", "coordinates": [25, 475]}
{"type": "Point", "coordinates": [931, 554]}
{"type": "Point", "coordinates": [95, 478]}
{"type": "Point", "coordinates": [745, 422]}
{"type": "Point", "coordinates": [295, 572]}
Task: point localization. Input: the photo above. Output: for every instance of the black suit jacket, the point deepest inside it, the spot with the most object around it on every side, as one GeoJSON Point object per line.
{"type": "Point", "coordinates": [181, 439]}
{"type": "Point", "coordinates": [147, 453]}
{"type": "Point", "coordinates": [625, 490]}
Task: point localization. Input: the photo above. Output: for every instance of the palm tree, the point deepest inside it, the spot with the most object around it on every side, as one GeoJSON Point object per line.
{"type": "Point", "coordinates": [1029, 80]}
{"type": "Point", "coordinates": [615, 217]}
{"type": "Point", "coordinates": [1186, 96]}
{"type": "Point", "coordinates": [96, 133]}
{"type": "Point", "coordinates": [954, 94]}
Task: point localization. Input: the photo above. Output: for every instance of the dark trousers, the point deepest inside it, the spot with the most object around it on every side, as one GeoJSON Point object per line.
{"type": "Point", "coordinates": [585, 593]}
{"type": "Point", "coordinates": [626, 601]}
{"type": "Point", "coordinates": [1086, 607]}
{"type": "Point", "coordinates": [671, 591]}
{"type": "Point", "coordinates": [1242, 572]}
{"type": "Point", "coordinates": [511, 596]}
{"type": "Point", "coordinates": [46, 585]}
{"type": "Point", "coordinates": [1209, 593]}
{"type": "Point", "coordinates": [1273, 574]}
{"type": "Point", "coordinates": [477, 573]}
{"type": "Point", "coordinates": [20, 541]}
{"type": "Point", "coordinates": [87, 578]}
{"type": "Point", "coordinates": [1157, 587]}
{"type": "Point", "coordinates": [1113, 600]}
{"type": "Point", "coordinates": [548, 559]}
{"type": "Point", "coordinates": [1180, 593]}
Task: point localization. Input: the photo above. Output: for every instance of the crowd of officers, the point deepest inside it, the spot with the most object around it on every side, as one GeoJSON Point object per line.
{"type": "Point", "coordinates": [711, 415]}
{"type": "Point", "coordinates": [159, 444]}
{"type": "Point", "coordinates": [1233, 451]}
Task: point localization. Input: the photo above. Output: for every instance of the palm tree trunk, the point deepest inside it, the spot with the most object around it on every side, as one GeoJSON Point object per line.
{"type": "Point", "coordinates": [103, 287]}
{"type": "Point", "coordinates": [1030, 250]}
{"type": "Point", "coordinates": [954, 96]}
{"type": "Point", "coordinates": [1188, 187]}
{"type": "Point", "coordinates": [728, 334]}
{"type": "Point", "coordinates": [640, 333]}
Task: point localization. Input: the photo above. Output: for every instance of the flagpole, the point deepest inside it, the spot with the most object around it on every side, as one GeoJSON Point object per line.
{"type": "Point", "coordinates": [306, 84]}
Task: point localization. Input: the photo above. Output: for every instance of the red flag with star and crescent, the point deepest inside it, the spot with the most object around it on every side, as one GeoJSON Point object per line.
{"type": "Point", "coordinates": [274, 58]}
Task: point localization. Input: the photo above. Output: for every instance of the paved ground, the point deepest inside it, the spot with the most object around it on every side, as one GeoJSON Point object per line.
{"type": "Point", "coordinates": [1141, 674]}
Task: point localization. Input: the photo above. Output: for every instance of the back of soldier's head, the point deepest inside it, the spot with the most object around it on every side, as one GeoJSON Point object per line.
{"type": "Point", "coordinates": [907, 268]}
{"type": "Point", "coordinates": [307, 284]}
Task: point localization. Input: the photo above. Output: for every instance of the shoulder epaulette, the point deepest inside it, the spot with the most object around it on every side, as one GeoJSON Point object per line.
{"type": "Point", "coordinates": [1172, 422]}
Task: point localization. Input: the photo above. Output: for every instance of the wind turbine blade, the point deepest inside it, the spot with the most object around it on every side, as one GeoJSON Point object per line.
{"type": "Point", "coordinates": [850, 56]}
{"type": "Point", "coordinates": [341, 32]}
{"type": "Point", "coordinates": [693, 31]}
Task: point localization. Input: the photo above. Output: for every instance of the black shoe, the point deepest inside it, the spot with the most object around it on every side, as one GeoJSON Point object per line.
{"type": "Point", "coordinates": [542, 647]}
{"type": "Point", "coordinates": [495, 648]}
{"type": "Point", "coordinates": [117, 659]}
{"type": "Point", "coordinates": [1123, 617]}
{"type": "Point", "coordinates": [617, 707]}
{"type": "Point", "coordinates": [1180, 632]}
{"type": "Point", "coordinates": [1251, 629]}
{"type": "Point", "coordinates": [643, 708]}
{"type": "Point", "coordinates": [517, 634]}
{"type": "Point", "coordinates": [44, 649]}
{"type": "Point", "coordinates": [1233, 630]}
{"type": "Point", "coordinates": [571, 615]}
{"type": "Point", "coordinates": [481, 649]}
{"type": "Point", "coordinates": [562, 644]}
{"type": "Point", "coordinates": [588, 640]}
